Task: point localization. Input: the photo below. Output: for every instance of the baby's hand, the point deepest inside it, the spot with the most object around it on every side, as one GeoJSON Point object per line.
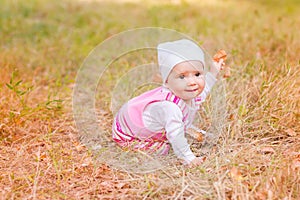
{"type": "Point", "coordinates": [220, 57]}
{"type": "Point", "coordinates": [216, 67]}
{"type": "Point", "coordinates": [197, 161]}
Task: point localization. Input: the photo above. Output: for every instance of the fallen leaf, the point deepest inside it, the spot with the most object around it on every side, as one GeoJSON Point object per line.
{"type": "Point", "coordinates": [79, 147]}
{"type": "Point", "coordinates": [231, 117]}
{"type": "Point", "coordinates": [262, 195]}
{"type": "Point", "coordinates": [296, 164]}
{"type": "Point", "coordinates": [108, 185]}
{"type": "Point", "coordinates": [43, 156]}
{"type": "Point", "coordinates": [209, 170]}
{"type": "Point", "coordinates": [196, 135]}
{"type": "Point", "coordinates": [291, 132]}
{"type": "Point", "coordinates": [199, 137]}
{"type": "Point", "coordinates": [236, 174]}
{"type": "Point", "coordinates": [120, 185]}
{"type": "Point", "coordinates": [86, 162]}
{"type": "Point", "coordinates": [274, 116]}
{"type": "Point", "coordinates": [267, 150]}
{"type": "Point", "coordinates": [292, 153]}
{"type": "Point", "coordinates": [221, 54]}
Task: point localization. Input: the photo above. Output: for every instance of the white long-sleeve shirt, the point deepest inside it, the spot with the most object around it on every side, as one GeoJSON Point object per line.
{"type": "Point", "coordinates": [165, 115]}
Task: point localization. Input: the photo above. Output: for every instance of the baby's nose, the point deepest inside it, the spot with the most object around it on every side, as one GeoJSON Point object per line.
{"type": "Point", "coordinates": [191, 81]}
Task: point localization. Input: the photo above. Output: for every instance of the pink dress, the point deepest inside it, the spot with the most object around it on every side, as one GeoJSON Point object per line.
{"type": "Point", "coordinates": [129, 130]}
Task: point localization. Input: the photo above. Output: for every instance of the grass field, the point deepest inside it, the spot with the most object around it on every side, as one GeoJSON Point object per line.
{"type": "Point", "coordinates": [43, 44]}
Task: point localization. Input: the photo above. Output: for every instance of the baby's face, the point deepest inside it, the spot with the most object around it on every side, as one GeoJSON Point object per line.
{"type": "Point", "coordinates": [186, 80]}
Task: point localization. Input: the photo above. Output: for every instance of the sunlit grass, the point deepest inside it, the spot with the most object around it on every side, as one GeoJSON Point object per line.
{"type": "Point", "coordinates": [43, 44]}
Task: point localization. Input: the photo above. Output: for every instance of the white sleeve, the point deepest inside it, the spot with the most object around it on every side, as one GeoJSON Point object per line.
{"type": "Point", "coordinates": [210, 81]}
{"type": "Point", "coordinates": [168, 116]}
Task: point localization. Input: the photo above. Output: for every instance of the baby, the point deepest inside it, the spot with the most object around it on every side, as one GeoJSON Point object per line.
{"type": "Point", "coordinates": [158, 119]}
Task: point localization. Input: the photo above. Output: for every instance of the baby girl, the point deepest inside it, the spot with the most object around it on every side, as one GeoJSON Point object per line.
{"type": "Point", "coordinates": [158, 119]}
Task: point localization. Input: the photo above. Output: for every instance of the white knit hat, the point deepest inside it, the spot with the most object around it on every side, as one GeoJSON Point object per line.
{"type": "Point", "coordinates": [170, 54]}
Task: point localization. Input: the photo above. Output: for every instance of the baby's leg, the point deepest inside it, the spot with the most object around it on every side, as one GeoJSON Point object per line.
{"type": "Point", "coordinates": [153, 147]}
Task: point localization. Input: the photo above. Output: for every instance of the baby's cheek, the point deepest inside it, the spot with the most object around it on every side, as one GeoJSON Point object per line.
{"type": "Point", "coordinates": [201, 83]}
{"type": "Point", "coordinates": [201, 86]}
{"type": "Point", "coordinates": [199, 91]}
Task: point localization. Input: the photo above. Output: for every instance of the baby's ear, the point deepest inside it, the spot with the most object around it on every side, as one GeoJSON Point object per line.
{"type": "Point", "coordinates": [166, 84]}
{"type": "Point", "coordinates": [167, 81]}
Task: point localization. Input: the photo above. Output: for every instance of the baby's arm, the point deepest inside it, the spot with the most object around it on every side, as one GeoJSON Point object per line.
{"type": "Point", "coordinates": [175, 132]}
{"type": "Point", "coordinates": [167, 115]}
{"type": "Point", "coordinates": [210, 81]}
{"type": "Point", "coordinates": [216, 67]}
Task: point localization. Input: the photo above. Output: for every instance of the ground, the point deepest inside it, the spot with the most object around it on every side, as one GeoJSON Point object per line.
{"type": "Point", "coordinates": [43, 44]}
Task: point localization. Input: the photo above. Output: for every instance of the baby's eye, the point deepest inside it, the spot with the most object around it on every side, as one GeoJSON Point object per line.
{"type": "Point", "coordinates": [181, 76]}
{"type": "Point", "coordinates": [198, 74]}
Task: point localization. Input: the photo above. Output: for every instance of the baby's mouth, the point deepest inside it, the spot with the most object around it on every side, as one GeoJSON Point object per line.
{"type": "Point", "coordinates": [193, 90]}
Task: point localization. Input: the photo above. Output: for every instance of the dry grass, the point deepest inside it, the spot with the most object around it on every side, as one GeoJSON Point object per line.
{"type": "Point", "coordinates": [257, 156]}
